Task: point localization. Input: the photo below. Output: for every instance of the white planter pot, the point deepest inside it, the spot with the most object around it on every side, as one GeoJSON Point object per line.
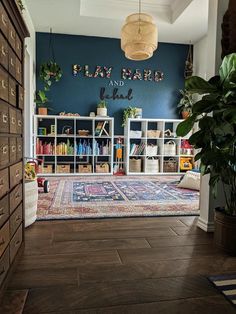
{"type": "Point", "coordinates": [102, 112]}
{"type": "Point", "coordinates": [31, 200]}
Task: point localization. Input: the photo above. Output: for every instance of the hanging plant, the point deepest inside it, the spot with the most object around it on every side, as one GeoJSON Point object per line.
{"type": "Point", "coordinates": [50, 72]}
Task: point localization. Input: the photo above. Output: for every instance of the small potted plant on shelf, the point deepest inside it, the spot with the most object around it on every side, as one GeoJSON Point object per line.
{"type": "Point", "coordinates": [186, 103]}
{"type": "Point", "coordinates": [129, 112]}
{"type": "Point", "coordinates": [49, 72]}
{"type": "Point", "coordinates": [41, 101]}
{"type": "Point", "coordinates": [215, 114]}
{"type": "Point", "coordinates": [102, 108]}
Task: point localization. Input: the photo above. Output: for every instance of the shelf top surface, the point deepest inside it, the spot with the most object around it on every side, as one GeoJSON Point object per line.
{"type": "Point", "coordinates": [99, 118]}
{"type": "Point", "coordinates": [154, 120]}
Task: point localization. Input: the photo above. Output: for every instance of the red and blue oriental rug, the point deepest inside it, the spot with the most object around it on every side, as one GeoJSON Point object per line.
{"type": "Point", "coordinates": [105, 197]}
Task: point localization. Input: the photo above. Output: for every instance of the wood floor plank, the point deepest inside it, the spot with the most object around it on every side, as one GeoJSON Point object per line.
{"type": "Point", "coordinates": [33, 278]}
{"type": "Point", "coordinates": [188, 230]}
{"type": "Point", "coordinates": [111, 234]}
{"type": "Point", "coordinates": [80, 246]}
{"type": "Point", "coordinates": [204, 305]}
{"type": "Point", "coordinates": [181, 240]}
{"type": "Point", "coordinates": [117, 293]}
{"type": "Point", "coordinates": [72, 260]}
{"type": "Point", "coordinates": [189, 220]}
{"type": "Point", "coordinates": [159, 269]}
{"type": "Point", "coordinates": [155, 254]}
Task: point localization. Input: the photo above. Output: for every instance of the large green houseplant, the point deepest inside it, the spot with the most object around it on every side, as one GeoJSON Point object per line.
{"type": "Point", "coordinates": [215, 114]}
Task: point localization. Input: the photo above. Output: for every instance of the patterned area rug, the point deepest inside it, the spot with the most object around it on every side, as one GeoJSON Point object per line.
{"type": "Point", "coordinates": [226, 284]}
{"type": "Point", "coordinates": [104, 197]}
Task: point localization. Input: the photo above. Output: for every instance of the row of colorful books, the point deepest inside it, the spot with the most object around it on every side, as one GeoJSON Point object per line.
{"type": "Point", "coordinates": [136, 149]}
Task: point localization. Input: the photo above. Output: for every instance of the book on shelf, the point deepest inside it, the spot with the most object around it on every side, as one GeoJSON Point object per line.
{"type": "Point", "coordinates": [136, 149]}
{"type": "Point", "coordinates": [100, 128]}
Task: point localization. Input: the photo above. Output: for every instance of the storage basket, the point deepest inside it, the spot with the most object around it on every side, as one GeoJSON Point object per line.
{"type": "Point", "coordinates": [63, 168]}
{"type": "Point", "coordinates": [153, 133]}
{"type": "Point", "coordinates": [151, 150]}
{"type": "Point", "coordinates": [47, 169]}
{"type": "Point", "coordinates": [170, 148]}
{"type": "Point", "coordinates": [170, 165]}
{"type": "Point", "coordinates": [83, 132]}
{"type": "Point", "coordinates": [135, 134]}
{"type": "Point", "coordinates": [151, 165]}
{"type": "Point", "coordinates": [102, 168]}
{"type": "Point", "coordinates": [135, 165]}
{"type": "Point", "coordinates": [86, 168]}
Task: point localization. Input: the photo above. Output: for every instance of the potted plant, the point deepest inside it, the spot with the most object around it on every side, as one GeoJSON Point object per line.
{"type": "Point", "coordinates": [102, 108]}
{"type": "Point", "coordinates": [129, 112]}
{"type": "Point", "coordinates": [216, 140]}
{"type": "Point", "coordinates": [41, 101]}
{"type": "Point", "coordinates": [49, 72]}
{"type": "Point", "coordinates": [186, 103]}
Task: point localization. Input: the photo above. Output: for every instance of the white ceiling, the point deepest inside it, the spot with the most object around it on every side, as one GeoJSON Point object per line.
{"type": "Point", "coordinates": [178, 21]}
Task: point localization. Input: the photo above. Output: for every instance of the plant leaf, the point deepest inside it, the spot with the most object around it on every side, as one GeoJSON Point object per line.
{"type": "Point", "coordinates": [186, 126]}
{"type": "Point", "coordinates": [227, 67]}
{"type": "Point", "coordinates": [196, 84]}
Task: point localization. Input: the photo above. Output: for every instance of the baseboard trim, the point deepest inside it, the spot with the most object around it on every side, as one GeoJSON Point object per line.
{"type": "Point", "coordinates": [205, 225]}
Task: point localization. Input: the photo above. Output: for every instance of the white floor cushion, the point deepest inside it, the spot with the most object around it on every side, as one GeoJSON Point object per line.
{"type": "Point", "coordinates": [191, 180]}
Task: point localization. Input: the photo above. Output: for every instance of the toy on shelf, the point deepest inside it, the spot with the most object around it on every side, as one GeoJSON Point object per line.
{"type": "Point", "coordinates": [83, 132]}
{"type": "Point", "coordinates": [186, 148]}
{"type": "Point", "coordinates": [44, 148]}
{"type": "Point", "coordinates": [53, 129]}
{"type": "Point", "coordinates": [100, 128]}
{"type": "Point", "coordinates": [118, 169]}
{"type": "Point", "coordinates": [65, 148]}
{"type": "Point", "coordinates": [42, 131]}
{"type": "Point", "coordinates": [69, 114]}
{"type": "Point", "coordinates": [102, 149]}
{"type": "Point", "coordinates": [186, 163]}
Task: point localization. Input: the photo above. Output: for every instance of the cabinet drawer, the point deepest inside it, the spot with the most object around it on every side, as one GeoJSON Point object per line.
{"type": "Point", "coordinates": [18, 71]}
{"type": "Point", "coordinates": [18, 47]}
{"type": "Point", "coordinates": [15, 197]}
{"type": "Point", "coordinates": [16, 219]}
{"type": "Point", "coordinates": [12, 121]}
{"type": "Point", "coordinates": [12, 92]}
{"type": "Point", "coordinates": [15, 243]}
{"type": "Point", "coordinates": [4, 237]}
{"type": "Point", "coordinates": [4, 182]}
{"type": "Point", "coordinates": [4, 210]}
{"type": "Point", "coordinates": [3, 85]}
{"type": "Point", "coordinates": [4, 20]}
{"type": "Point", "coordinates": [19, 122]}
{"type": "Point", "coordinates": [20, 97]}
{"type": "Point", "coordinates": [4, 265]}
{"type": "Point", "coordinates": [19, 148]}
{"type": "Point", "coordinates": [12, 36]}
{"type": "Point", "coordinates": [15, 174]}
{"type": "Point", "coordinates": [3, 52]}
{"type": "Point", "coordinates": [12, 149]}
{"type": "Point", "coordinates": [12, 63]}
{"type": "Point", "coordinates": [4, 151]}
{"type": "Point", "coordinates": [4, 117]}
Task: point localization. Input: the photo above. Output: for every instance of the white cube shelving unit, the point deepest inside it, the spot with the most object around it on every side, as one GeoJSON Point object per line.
{"type": "Point", "coordinates": [71, 157]}
{"type": "Point", "coordinates": [136, 133]}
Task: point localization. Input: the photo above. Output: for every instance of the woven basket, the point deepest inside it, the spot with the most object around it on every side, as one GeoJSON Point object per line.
{"type": "Point", "coordinates": [152, 165]}
{"type": "Point", "coordinates": [153, 133]}
{"type": "Point", "coordinates": [85, 168]}
{"type": "Point", "coordinates": [83, 132]}
{"type": "Point", "coordinates": [135, 165]}
{"type": "Point", "coordinates": [170, 148]}
{"type": "Point", "coordinates": [102, 168]}
{"type": "Point", "coordinates": [63, 168]}
{"type": "Point", "coordinates": [151, 150]}
{"type": "Point", "coordinates": [170, 165]}
{"type": "Point", "coordinates": [46, 169]}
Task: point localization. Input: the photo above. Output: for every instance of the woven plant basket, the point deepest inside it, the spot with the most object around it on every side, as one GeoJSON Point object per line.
{"type": "Point", "coordinates": [135, 165]}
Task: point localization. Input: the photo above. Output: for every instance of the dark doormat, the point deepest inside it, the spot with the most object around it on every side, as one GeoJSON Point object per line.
{"type": "Point", "coordinates": [226, 284]}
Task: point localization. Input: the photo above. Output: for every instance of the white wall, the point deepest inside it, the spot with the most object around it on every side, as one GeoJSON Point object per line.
{"type": "Point", "coordinates": [200, 58]}
{"type": "Point", "coordinates": [30, 82]}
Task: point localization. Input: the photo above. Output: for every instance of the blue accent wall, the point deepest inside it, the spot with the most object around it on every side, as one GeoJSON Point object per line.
{"type": "Point", "coordinates": [81, 94]}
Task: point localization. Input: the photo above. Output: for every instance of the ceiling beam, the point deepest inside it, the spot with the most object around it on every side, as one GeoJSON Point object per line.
{"type": "Point", "coordinates": [177, 8]}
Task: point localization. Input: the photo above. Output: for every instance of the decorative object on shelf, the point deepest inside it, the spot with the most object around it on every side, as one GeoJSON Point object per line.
{"type": "Point", "coordinates": [102, 108]}
{"type": "Point", "coordinates": [186, 163]}
{"type": "Point", "coordinates": [152, 165]}
{"type": "Point", "coordinates": [188, 70]}
{"type": "Point", "coordinates": [139, 36]}
{"type": "Point", "coordinates": [85, 168]}
{"type": "Point", "coordinates": [102, 149]}
{"type": "Point", "coordinates": [44, 148]}
{"type": "Point", "coordinates": [151, 150]}
{"type": "Point", "coordinates": [138, 113]}
{"type": "Point", "coordinates": [84, 148]}
{"type": "Point", "coordinates": [65, 149]}
{"type": "Point", "coordinates": [168, 133]}
{"type": "Point", "coordinates": [83, 132]}
{"type": "Point", "coordinates": [102, 168]}
{"type": "Point", "coordinates": [100, 128]}
{"type": "Point", "coordinates": [129, 112]}
{"type": "Point", "coordinates": [92, 114]}
{"type": "Point", "coordinates": [42, 131]}
{"type": "Point", "coordinates": [186, 148]}
{"type": "Point", "coordinates": [186, 103]}
{"type": "Point", "coordinates": [41, 101]}
{"type": "Point", "coordinates": [170, 148]}
{"type": "Point", "coordinates": [67, 129]}
{"type": "Point", "coordinates": [69, 114]}
{"type": "Point", "coordinates": [170, 165]}
{"type": "Point", "coordinates": [135, 134]}
{"type": "Point", "coordinates": [53, 129]}
{"type": "Point", "coordinates": [216, 141]}
{"type": "Point", "coordinates": [153, 133]}
{"type": "Point", "coordinates": [135, 165]}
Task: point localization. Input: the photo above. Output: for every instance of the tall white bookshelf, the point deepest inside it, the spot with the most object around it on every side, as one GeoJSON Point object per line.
{"type": "Point", "coordinates": [138, 132]}
{"type": "Point", "coordinates": [60, 138]}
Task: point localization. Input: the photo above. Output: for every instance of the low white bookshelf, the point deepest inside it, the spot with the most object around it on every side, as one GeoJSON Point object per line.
{"type": "Point", "coordinates": [60, 145]}
{"type": "Point", "coordinates": [147, 139]}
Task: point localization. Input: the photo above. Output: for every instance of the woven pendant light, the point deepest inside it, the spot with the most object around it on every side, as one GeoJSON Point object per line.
{"type": "Point", "coordinates": [139, 36]}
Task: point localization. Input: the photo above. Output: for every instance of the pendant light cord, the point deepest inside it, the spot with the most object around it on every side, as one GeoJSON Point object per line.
{"type": "Point", "coordinates": [139, 10]}
{"type": "Point", "coordinates": [51, 48]}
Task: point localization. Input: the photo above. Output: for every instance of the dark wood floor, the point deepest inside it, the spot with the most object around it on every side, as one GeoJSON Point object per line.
{"type": "Point", "coordinates": [138, 265]}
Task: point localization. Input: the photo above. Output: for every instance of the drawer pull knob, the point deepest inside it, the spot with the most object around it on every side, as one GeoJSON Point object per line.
{"type": "Point", "coordinates": [13, 149]}
{"type": "Point", "coordinates": [4, 20]}
{"type": "Point", "coordinates": [4, 118]}
{"type": "Point", "coordinates": [18, 218]}
{"type": "Point", "coordinates": [19, 123]}
{"type": "Point", "coordinates": [4, 86]}
{"type": "Point", "coordinates": [1, 183]}
{"type": "Point", "coordinates": [12, 34]}
{"type": "Point", "coordinates": [1, 211]}
{"type": "Point", "coordinates": [4, 53]}
{"type": "Point", "coordinates": [17, 242]}
{"type": "Point", "coordinates": [17, 173]}
{"type": "Point", "coordinates": [13, 120]}
{"type": "Point", "coordinates": [19, 148]}
{"type": "Point", "coordinates": [5, 149]}
{"type": "Point", "coordinates": [2, 241]}
{"type": "Point", "coordinates": [17, 195]}
{"type": "Point", "coordinates": [12, 63]}
{"type": "Point", "coordinates": [13, 92]}
{"type": "Point", "coordinates": [19, 70]}
{"type": "Point", "coordinates": [2, 271]}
